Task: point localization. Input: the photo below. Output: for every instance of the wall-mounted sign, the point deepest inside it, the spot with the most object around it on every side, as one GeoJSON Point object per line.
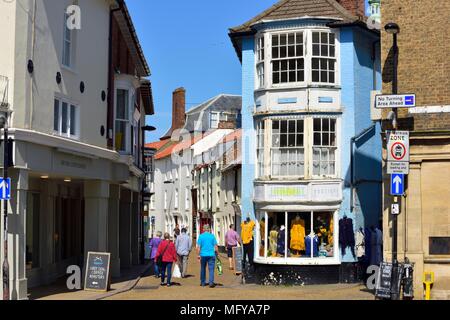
{"type": "Point", "coordinates": [395, 101]}
{"type": "Point", "coordinates": [398, 152]}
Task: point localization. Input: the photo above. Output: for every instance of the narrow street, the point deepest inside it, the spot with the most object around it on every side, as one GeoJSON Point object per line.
{"type": "Point", "coordinates": [230, 288]}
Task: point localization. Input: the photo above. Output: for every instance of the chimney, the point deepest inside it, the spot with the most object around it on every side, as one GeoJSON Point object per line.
{"type": "Point", "coordinates": [178, 112]}
{"type": "Point", "coordinates": [355, 7]}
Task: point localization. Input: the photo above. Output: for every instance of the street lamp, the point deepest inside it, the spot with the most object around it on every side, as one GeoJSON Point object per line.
{"type": "Point", "coordinates": [145, 190]}
{"type": "Point", "coordinates": [394, 29]}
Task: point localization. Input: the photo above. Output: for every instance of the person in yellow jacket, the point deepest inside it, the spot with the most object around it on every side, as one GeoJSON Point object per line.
{"type": "Point", "coordinates": [247, 241]}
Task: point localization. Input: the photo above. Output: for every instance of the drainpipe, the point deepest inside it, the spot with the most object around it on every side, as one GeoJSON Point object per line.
{"type": "Point", "coordinates": [374, 59]}
{"type": "Point", "coordinates": [352, 180]}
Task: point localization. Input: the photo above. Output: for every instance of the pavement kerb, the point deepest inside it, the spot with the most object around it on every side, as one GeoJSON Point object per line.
{"type": "Point", "coordinates": [129, 286]}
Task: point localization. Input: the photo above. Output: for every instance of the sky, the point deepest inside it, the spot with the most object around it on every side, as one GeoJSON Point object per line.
{"type": "Point", "coordinates": [186, 44]}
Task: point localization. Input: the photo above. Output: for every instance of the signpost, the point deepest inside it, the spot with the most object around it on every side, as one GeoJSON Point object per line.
{"type": "Point", "coordinates": [395, 101]}
{"type": "Point", "coordinates": [97, 271]}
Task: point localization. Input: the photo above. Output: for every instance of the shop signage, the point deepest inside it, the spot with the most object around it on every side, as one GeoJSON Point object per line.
{"type": "Point", "coordinates": [306, 192]}
{"type": "Point", "coordinates": [398, 152]}
{"type": "Point", "coordinates": [325, 192]}
{"type": "Point", "coordinates": [295, 191]}
{"type": "Point", "coordinates": [5, 189]}
{"type": "Point", "coordinates": [97, 271]}
{"type": "Point", "coordinates": [383, 286]}
{"type": "Point", "coordinates": [395, 101]}
{"type": "Point", "coordinates": [237, 260]}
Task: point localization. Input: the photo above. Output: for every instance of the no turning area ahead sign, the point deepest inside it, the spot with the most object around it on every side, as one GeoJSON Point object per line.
{"type": "Point", "coordinates": [395, 101]}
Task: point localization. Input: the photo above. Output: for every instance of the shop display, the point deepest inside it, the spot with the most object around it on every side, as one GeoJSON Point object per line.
{"type": "Point", "coordinates": [346, 235]}
{"type": "Point", "coordinates": [312, 240]}
{"type": "Point", "coordinates": [273, 238]}
{"type": "Point", "coordinates": [376, 243]}
{"type": "Point", "coordinates": [281, 241]}
{"type": "Point", "coordinates": [297, 243]}
{"type": "Point", "coordinates": [360, 243]}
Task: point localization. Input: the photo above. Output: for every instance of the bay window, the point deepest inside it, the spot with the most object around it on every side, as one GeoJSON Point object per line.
{"type": "Point", "coordinates": [324, 147]}
{"type": "Point", "coordinates": [260, 61]}
{"type": "Point", "coordinates": [288, 64]}
{"type": "Point", "coordinates": [65, 118]}
{"type": "Point", "coordinates": [299, 147]}
{"type": "Point", "coordinates": [288, 152]}
{"type": "Point", "coordinates": [323, 57]}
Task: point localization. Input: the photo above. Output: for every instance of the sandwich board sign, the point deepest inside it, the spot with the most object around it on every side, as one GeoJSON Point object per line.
{"type": "Point", "coordinates": [237, 259]}
{"type": "Point", "coordinates": [398, 152]}
{"type": "Point", "coordinates": [97, 271]}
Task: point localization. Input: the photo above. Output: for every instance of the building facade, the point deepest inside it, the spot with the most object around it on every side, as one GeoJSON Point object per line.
{"type": "Point", "coordinates": [423, 224]}
{"type": "Point", "coordinates": [310, 152]}
{"type": "Point", "coordinates": [78, 101]}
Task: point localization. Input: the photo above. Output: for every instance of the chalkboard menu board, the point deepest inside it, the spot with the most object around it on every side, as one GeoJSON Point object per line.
{"type": "Point", "coordinates": [383, 285]}
{"type": "Point", "coordinates": [237, 260]}
{"type": "Point", "coordinates": [97, 271]}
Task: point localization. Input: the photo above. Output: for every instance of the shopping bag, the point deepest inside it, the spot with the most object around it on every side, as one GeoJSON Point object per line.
{"type": "Point", "coordinates": [176, 271]}
{"type": "Point", "coordinates": [219, 266]}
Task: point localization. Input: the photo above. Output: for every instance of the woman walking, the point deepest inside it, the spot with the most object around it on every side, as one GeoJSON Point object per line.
{"type": "Point", "coordinates": [166, 255]}
{"type": "Point", "coordinates": [154, 243]}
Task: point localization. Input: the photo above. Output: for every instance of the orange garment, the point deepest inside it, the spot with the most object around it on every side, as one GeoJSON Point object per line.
{"type": "Point", "coordinates": [247, 232]}
{"type": "Point", "coordinates": [330, 232]}
{"type": "Point", "coordinates": [298, 235]}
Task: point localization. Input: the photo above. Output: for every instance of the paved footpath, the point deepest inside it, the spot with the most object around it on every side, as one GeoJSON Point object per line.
{"type": "Point", "coordinates": [230, 288]}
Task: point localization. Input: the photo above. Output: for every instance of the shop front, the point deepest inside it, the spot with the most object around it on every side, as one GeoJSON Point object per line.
{"type": "Point", "coordinates": [297, 232]}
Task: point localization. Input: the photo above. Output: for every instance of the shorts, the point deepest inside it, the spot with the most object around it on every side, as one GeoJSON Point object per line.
{"type": "Point", "coordinates": [230, 251]}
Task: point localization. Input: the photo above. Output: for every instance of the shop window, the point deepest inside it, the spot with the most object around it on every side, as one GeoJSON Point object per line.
{"type": "Point", "coordinates": [288, 152]}
{"type": "Point", "coordinates": [288, 63]}
{"type": "Point", "coordinates": [296, 235]}
{"type": "Point", "coordinates": [33, 230]}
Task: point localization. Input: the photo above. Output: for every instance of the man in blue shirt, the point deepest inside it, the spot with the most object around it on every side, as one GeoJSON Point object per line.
{"type": "Point", "coordinates": [207, 250]}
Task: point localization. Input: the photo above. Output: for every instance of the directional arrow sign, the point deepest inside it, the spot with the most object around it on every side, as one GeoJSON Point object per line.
{"type": "Point", "coordinates": [5, 189]}
{"type": "Point", "coordinates": [397, 184]}
{"type": "Point", "coordinates": [395, 101]}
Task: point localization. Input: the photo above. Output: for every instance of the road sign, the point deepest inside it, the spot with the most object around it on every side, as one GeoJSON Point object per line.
{"type": "Point", "coordinates": [397, 184]}
{"type": "Point", "coordinates": [397, 167]}
{"type": "Point", "coordinates": [395, 209]}
{"type": "Point", "coordinates": [398, 152]}
{"type": "Point", "coordinates": [395, 101]}
{"type": "Point", "coordinates": [5, 189]}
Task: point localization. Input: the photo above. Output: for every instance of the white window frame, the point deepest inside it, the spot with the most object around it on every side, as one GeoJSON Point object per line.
{"type": "Point", "coordinates": [260, 150]}
{"type": "Point", "coordinates": [331, 60]}
{"type": "Point", "coordinates": [187, 198]}
{"type": "Point", "coordinates": [70, 105]}
{"type": "Point", "coordinates": [165, 199]}
{"type": "Point", "coordinates": [260, 61]}
{"type": "Point", "coordinates": [287, 58]}
{"type": "Point", "coordinates": [336, 259]}
{"type": "Point", "coordinates": [308, 145]}
{"type": "Point", "coordinates": [176, 205]}
{"type": "Point", "coordinates": [125, 86]}
{"type": "Point", "coordinates": [324, 148]}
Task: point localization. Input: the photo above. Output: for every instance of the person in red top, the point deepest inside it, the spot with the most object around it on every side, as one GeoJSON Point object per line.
{"type": "Point", "coordinates": [169, 255]}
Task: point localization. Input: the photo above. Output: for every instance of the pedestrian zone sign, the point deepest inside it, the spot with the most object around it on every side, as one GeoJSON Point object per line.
{"type": "Point", "coordinates": [5, 189]}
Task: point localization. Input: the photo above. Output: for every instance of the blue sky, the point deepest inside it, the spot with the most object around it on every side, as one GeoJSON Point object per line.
{"type": "Point", "coordinates": [186, 44]}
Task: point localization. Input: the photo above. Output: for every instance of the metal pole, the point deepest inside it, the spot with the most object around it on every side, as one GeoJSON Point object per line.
{"type": "Point", "coordinates": [5, 218]}
{"type": "Point", "coordinates": [394, 295]}
{"type": "Point", "coordinates": [142, 253]}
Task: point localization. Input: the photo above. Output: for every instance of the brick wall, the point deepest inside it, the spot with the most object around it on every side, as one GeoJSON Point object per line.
{"type": "Point", "coordinates": [424, 64]}
{"type": "Point", "coordinates": [356, 7]}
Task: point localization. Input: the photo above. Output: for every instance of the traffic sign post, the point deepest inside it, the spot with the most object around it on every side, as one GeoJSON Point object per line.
{"type": "Point", "coordinates": [5, 188]}
{"type": "Point", "coordinates": [398, 152]}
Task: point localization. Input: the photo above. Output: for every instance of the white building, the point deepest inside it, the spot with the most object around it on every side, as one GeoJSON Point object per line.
{"type": "Point", "coordinates": [78, 102]}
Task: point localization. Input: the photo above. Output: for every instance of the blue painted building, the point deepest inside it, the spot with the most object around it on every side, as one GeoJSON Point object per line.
{"type": "Point", "coordinates": [311, 151]}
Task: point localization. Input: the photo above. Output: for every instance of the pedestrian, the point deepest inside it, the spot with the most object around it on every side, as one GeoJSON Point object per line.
{"type": "Point", "coordinates": [183, 244]}
{"type": "Point", "coordinates": [247, 241]}
{"type": "Point", "coordinates": [168, 254]}
{"type": "Point", "coordinates": [154, 243]}
{"type": "Point", "coordinates": [207, 250]}
{"type": "Point", "coordinates": [176, 231]}
{"type": "Point", "coordinates": [231, 241]}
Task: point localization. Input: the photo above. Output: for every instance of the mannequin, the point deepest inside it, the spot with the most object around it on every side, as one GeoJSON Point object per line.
{"type": "Point", "coordinates": [273, 237]}
{"type": "Point", "coordinates": [313, 240]}
{"type": "Point", "coordinates": [262, 232]}
{"type": "Point", "coordinates": [297, 235]}
{"type": "Point", "coordinates": [281, 242]}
